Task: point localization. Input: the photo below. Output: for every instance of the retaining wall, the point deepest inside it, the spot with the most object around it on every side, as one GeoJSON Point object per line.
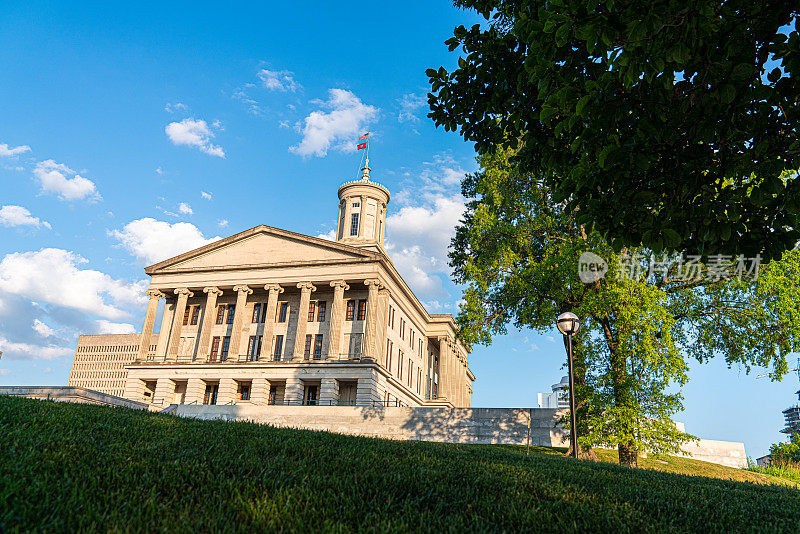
{"type": "Point", "coordinates": [517, 426]}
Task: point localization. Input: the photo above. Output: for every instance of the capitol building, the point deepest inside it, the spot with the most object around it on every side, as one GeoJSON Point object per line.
{"type": "Point", "coordinates": [270, 316]}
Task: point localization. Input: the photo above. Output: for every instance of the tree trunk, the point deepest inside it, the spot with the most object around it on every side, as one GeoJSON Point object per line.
{"type": "Point", "coordinates": [628, 455]}
{"type": "Point", "coordinates": [623, 398]}
{"type": "Point", "coordinates": [584, 453]}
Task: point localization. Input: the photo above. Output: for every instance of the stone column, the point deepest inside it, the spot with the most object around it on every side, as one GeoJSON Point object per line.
{"type": "Point", "coordinates": [328, 392]}
{"type": "Point", "coordinates": [269, 320]}
{"type": "Point", "coordinates": [165, 391]}
{"type": "Point", "coordinates": [444, 368]}
{"type": "Point", "coordinates": [227, 391]}
{"type": "Point", "coordinates": [195, 389]}
{"type": "Point", "coordinates": [367, 391]}
{"type": "Point", "coordinates": [348, 213]}
{"type": "Point", "coordinates": [302, 319]}
{"type": "Point", "coordinates": [380, 326]}
{"type": "Point", "coordinates": [293, 394]}
{"type": "Point", "coordinates": [149, 322]}
{"type": "Point", "coordinates": [209, 316]}
{"type": "Point", "coordinates": [259, 391]}
{"type": "Point", "coordinates": [166, 326]}
{"type": "Point", "coordinates": [235, 348]}
{"type": "Point", "coordinates": [339, 221]}
{"type": "Point", "coordinates": [362, 217]}
{"type": "Point", "coordinates": [134, 389]}
{"type": "Point", "coordinates": [370, 326]}
{"type": "Point", "coordinates": [177, 322]}
{"type": "Point", "coordinates": [336, 318]}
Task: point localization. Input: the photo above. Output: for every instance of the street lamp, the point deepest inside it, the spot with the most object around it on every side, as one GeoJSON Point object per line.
{"type": "Point", "coordinates": [569, 324]}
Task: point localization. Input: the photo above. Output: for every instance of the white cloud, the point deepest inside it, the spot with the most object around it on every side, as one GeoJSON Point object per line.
{"type": "Point", "coordinates": [195, 133]}
{"type": "Point", "coordinates": [222, 223]}
{"type": "Point", "coordinates": [430, 228]}
{"type": "Point", "coordinates": [177, 106]}
{"type": "Point", "coordinates": [54, 275]}
{"type": "Point", "coordinates": [185, 208]}
{"type": "Point", "coordinates": [330, 236]}
{"type": "Point", "coordinates": [28, 351]}
{"type": "Point", "coordinates": [42, 329]}
{"type": "Point", "coordinates": [278, 80]}
{"type": "Point", "coordinates": [419, 233]}
{"type": "Point", "coordinates": [107, 327]}
{"type": "Point", "coordinates": [19, 216]}
{"type": "Point", "coordinates": [338, 127]}
{"type": "Point", "coordinates": [409, 105]}
{"type": "Point", "coordinates": [159, 170]}
{"type": "Point", "coordinates": [205, 195]}
{"type": "Point", "coordinates": [53, 178]}
{"type": "Point", "coordinates": [154, 241]}
{"type": "Point", "coordinates": [8, 152]}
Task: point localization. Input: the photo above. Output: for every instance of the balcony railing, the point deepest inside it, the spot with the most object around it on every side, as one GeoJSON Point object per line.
{"type": "Point", "coordinates": [246, 358]}
{"type": "Point", "coordinates": [336, 402]}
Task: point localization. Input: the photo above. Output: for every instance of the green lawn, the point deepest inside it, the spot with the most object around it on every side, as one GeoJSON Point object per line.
{"type": "Point", "coordinates": [75, 468]}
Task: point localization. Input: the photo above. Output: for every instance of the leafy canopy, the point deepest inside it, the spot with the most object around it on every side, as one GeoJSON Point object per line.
{"type": "Point", "coordinates": [518, 250]}
{"type": "Point", "coordinates": [665, 123]}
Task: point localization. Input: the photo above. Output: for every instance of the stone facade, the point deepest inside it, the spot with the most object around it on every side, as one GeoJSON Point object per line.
{"type": "Point", "coordinates": [513, 426]}
{"type": "Point", "coordinates": [269, 316]}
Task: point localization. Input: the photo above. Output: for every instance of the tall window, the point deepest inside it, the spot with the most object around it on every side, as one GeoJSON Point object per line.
{"type": "Point", "coordinates": [307, 350]}
{"type": "Point", "coordinates": [400, 364]}
{"type": "Point", "coordinates": [244, 391]}
{"type": "Point", "coordinates": [231, 312]}
{"type": "Point", "coordinates": [318, 346]}
{"type": "Point", "coordinates": [254, 348]}
{"type": "Point", "coordinates": [312, 309]}
{"type": "Point", "coordinates": [402, 329]}
{"type": "Point", "coordinates": [220, 314]}
{"type": "Point", "coordinates": [186, 315]}
{"type": "Point", "coordinates": [389, 315]}
{"type": "Point", "coordinates": [215, 346]}
{"type": "Point", "coordinates": [256, 313]}
{"type": "Point", "coordinates": [321, 311]}
{"type": "Point", "coordinates": [410, 373]}
{"type": "Point", "coordinates": [226, 343]}
{"type": "Point", "coordinates": [283, 312]}
{"type": "Point", "coordinates": [362, 310]}
{"type": "Point", "coordinates": [278, 348]}
{"type": "Point", "coordinates": [411, 339]}
{"type": "Point", "coordinates": [389, 354]}
{"type": "Point", "coordinates": [195, 314]}
{"type": "Point", "coordinates": [351, 308]}
{"type": "Point", "coordinates": [354, 224]}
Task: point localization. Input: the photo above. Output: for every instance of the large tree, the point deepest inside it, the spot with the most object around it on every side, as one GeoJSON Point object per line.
{"type": "Point", "coordinates": [518, 251]}
{"type": "Point", "coordinates": [665, 123]}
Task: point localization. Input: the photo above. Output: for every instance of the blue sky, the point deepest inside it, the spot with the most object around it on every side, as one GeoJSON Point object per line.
{"type": "Point", "coordinates": [128, 132]}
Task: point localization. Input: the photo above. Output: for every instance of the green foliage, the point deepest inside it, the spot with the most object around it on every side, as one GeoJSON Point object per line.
{"type": "Point", "coordinates": [663, 122]}
{"type": "Point", "coordinates": [788, 472]}
{"type": "Point", "coordinates": [787, 453]}
{"type": "Point", "coordinates": [79, 468]}
{"type": "Point", "coordinates": [517, 251]}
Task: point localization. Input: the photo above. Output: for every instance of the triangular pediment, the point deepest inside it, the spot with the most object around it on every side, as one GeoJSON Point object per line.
{"type": "Point", "coordinates": [262, 245]}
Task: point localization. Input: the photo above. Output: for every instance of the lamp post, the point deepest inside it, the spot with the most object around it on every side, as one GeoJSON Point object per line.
{"type": "Point", "coordinates": [569, 324]}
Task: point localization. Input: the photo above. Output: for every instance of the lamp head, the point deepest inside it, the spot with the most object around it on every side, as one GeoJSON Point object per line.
{"type": "Point", "coordinates": [568, 323]}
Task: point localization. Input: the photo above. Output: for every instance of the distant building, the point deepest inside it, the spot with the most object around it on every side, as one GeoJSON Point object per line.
{"type": "Point", "coordinates": [559, 398]}
{"type": "Point", "coordinates": [269, 316]}
{"type": "Point", "coordinates": [792, 417]}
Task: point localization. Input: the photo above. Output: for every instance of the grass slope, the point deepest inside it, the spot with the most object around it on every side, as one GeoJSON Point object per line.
{"type": "Point", "coordinates": [71, 468]}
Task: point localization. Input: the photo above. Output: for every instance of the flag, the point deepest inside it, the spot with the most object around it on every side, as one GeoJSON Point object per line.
{"type": "Point", "coordinates": [365, 136]}
{"type": "Point", "coordinates": [362, 145]}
